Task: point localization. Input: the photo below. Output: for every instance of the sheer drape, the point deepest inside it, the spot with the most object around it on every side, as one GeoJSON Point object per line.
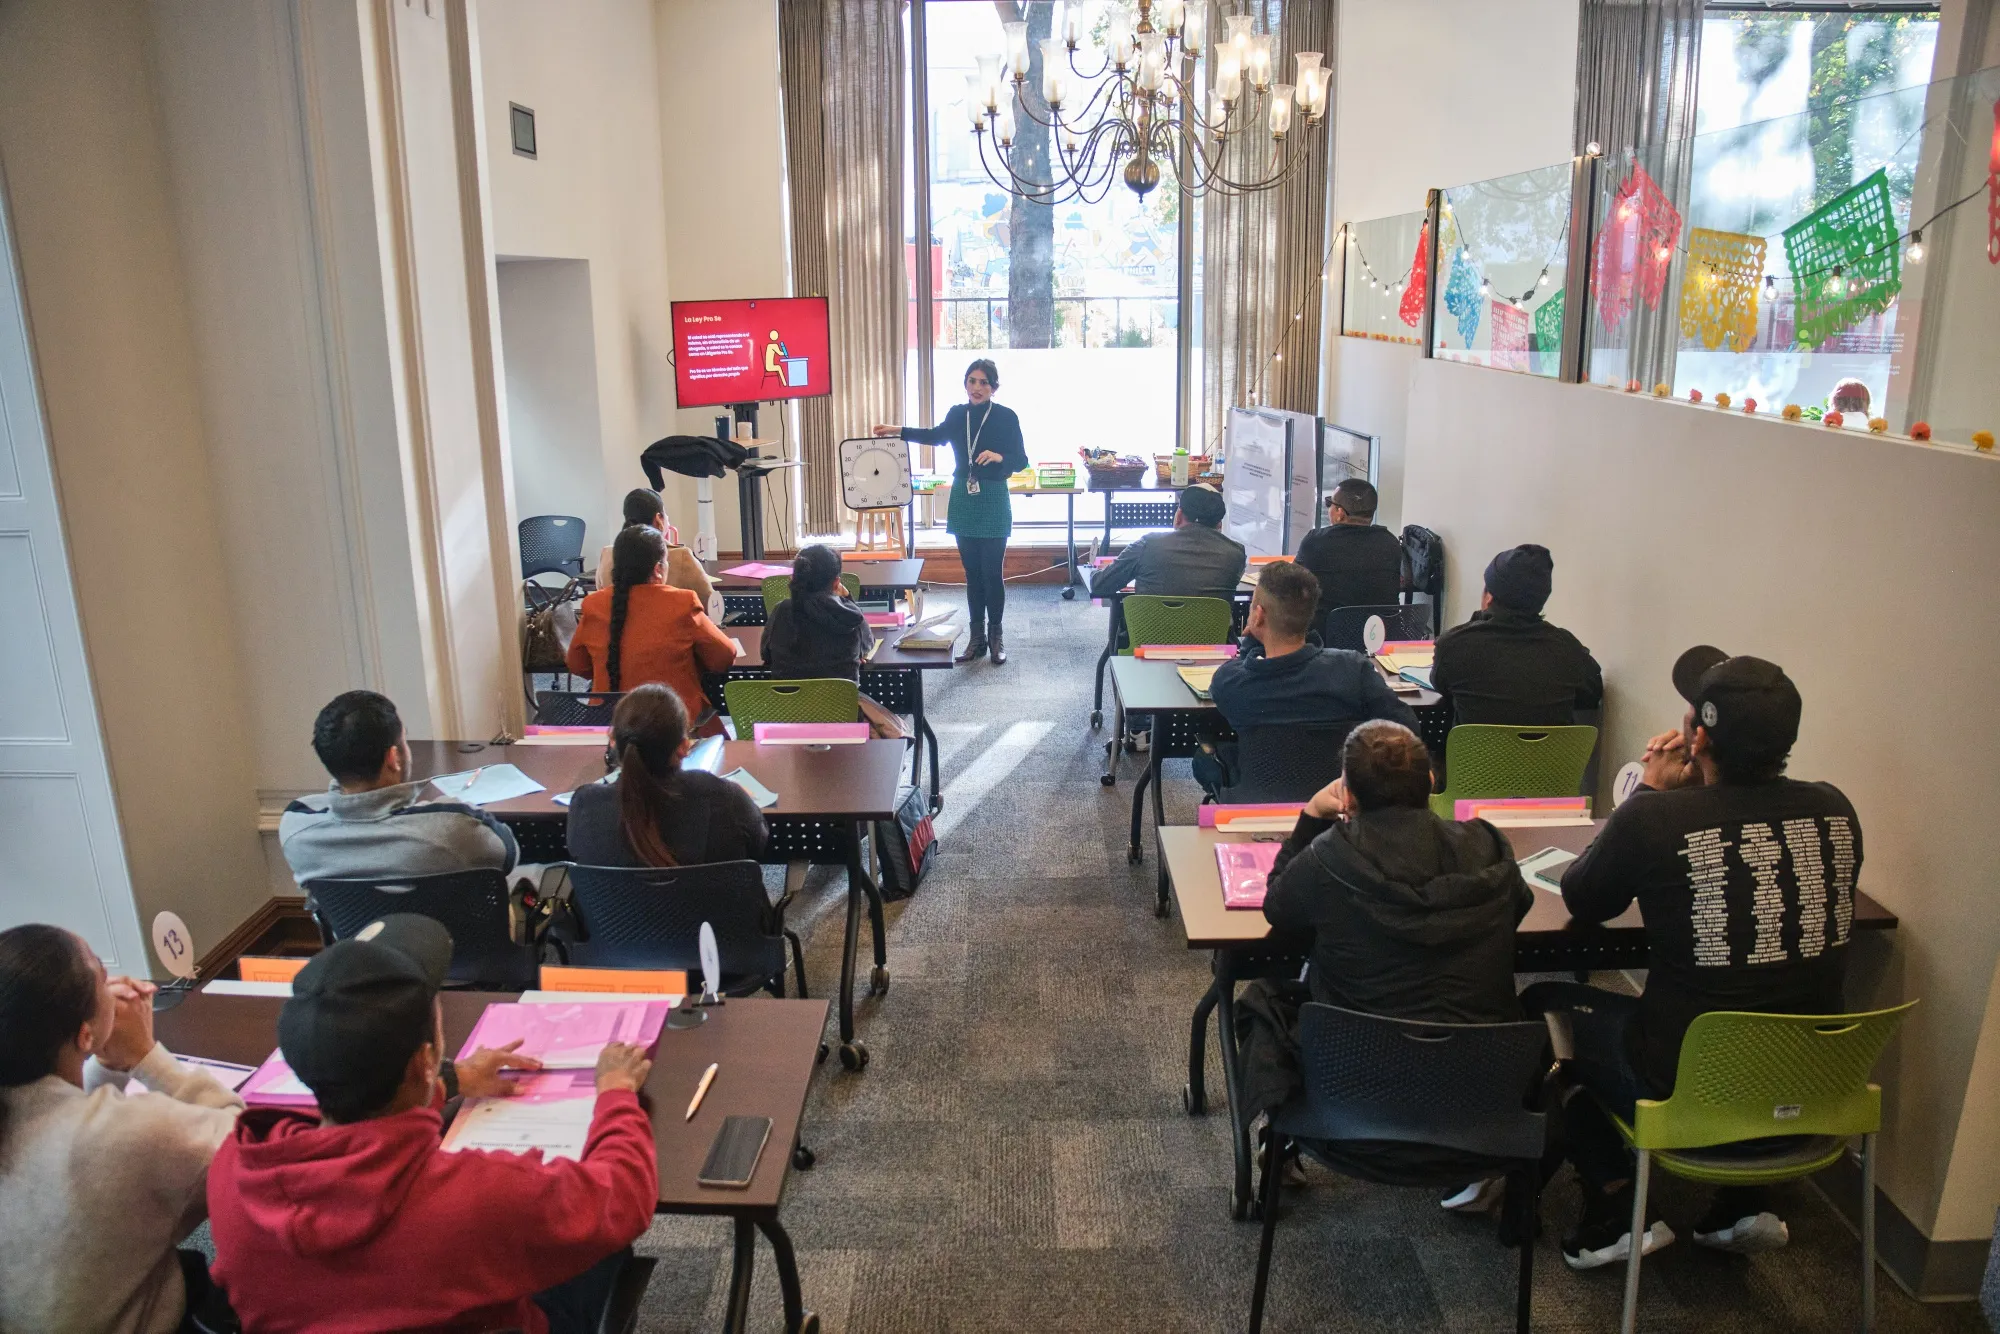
{"type": "Point", "coordinates": [1262, 253]}
{"type": "Point", "coordinates": [1637, 66]}
{"type": "Point", "coordinates": [842, 77]}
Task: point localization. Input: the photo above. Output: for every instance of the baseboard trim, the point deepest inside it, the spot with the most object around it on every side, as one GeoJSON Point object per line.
{"type": "Point", "coordinates": [1930, 1271]}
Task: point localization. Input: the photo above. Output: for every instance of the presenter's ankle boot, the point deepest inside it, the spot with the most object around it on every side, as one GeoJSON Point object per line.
{"type": "Point", "coordinates": [974, 650]}
{"type": "Point", "coordinates": [999, 648]}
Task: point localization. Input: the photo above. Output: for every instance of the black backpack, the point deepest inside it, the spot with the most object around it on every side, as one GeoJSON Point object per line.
{"type": "Point", "coordinates": [906, 844]}
{"type": "Point", "coordinates": [1423, 562]}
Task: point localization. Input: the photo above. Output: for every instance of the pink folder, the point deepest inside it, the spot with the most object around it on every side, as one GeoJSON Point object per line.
{"type": "Point", "coordinates": [567, 1036]}
{"type": "Point", "coordinates": [1215, 815]}
{"type": "Point", "coordinates": [1245, 868]}
{"type": "Point", "coordinates": [806, 734]}
{"type": "Point", "coordinates": [758, 569]}
{"type": "Point", "coordinates": [886, 618]}
{"type": "Point", "coordinates": [1468, 808]}
{"type": "Point", "coordinates": [274, 1085]}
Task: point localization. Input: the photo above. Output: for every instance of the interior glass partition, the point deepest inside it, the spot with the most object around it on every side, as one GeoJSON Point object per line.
{"type": "Point", "coordinates": [1503, 271]}
{"type": "Point", "coordinates": [1382, 289]}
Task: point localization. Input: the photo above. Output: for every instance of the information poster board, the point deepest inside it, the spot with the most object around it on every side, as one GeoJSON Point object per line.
{"type": "Point", "coordinates": [1256, 479]}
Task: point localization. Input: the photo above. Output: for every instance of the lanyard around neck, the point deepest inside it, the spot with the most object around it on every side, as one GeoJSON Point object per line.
{"type": "Point", "coordinates": [972, 446]}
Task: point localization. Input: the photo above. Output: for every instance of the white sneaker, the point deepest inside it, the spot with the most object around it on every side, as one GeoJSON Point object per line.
{"type": "Point", "coordinates": [1658, 1237]}
{"type": "Point", "coordinates": [1748, 1235]}
{"type": "Point", "coordinates": [1477, 1198]}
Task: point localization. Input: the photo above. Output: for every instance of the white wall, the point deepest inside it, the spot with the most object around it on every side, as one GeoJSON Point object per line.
{"type": "Point", "coordinates": [1436, 93]}
{"type": "Point", "coordinates": [1674, 525]}
{"type": "Point", "coordinates": [550, 355]}
{"type": "Point", "coordinates": [1368, 389]}
{"type": "Point", "coordinates": [595, 191]}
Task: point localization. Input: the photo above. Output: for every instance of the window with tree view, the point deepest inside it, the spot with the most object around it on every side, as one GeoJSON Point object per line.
{"type": "Point", "coordinates": [1078, 300]}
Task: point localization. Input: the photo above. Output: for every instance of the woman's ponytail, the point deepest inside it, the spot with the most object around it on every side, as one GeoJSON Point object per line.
{"type": "Point", "coordinates": [635, 554]}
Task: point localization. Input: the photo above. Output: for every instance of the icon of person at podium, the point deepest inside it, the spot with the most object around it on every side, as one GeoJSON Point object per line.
{"type": "Point", "coordinates": [780, 365]}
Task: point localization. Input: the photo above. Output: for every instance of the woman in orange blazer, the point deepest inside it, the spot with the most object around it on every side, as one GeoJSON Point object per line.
{"type": "Point", "coordinates": [639, 630]}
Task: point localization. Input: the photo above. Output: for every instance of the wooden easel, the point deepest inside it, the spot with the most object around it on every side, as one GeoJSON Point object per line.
{"type": "Point", "coordinates": [877, 531]}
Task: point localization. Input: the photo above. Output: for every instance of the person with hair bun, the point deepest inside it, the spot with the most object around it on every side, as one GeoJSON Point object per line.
{"type": "Point", "coordinates": [639, 631]}
{"type": "Point", "coordinates": [650, 811]}
{"type": "Point", "coordinates": [96, 1187]}
{"type": "Point", "coordinates": [985, 440]}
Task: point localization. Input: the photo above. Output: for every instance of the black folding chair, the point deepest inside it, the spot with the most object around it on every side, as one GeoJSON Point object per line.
{"type": "Point", "coordinates": [1454, 1086]}
{"type": "Point", "coordinates": [473, 905]}
{"type": "Point", "coordinates": [1281, 763]}
{"type": "Point", "coordinates": [651, 916]}
{"type": "Point", "coordinates": [551, 544]}
{"type": "Point", "coordinates": [1343, 626]}
{"type": "Point", "coordinates": [575, 708]}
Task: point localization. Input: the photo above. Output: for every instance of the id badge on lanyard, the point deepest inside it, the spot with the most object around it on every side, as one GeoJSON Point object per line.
{"type": "Point", "coordinates": [972, 452]}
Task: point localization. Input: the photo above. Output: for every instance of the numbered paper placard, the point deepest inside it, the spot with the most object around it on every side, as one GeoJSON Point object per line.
{"type": "Point", "coordinates": [173, 945]}
{"type": "Point", "coordinates": [1627, 782]}
{"type": "Point", "coordinates": [1374, 634]}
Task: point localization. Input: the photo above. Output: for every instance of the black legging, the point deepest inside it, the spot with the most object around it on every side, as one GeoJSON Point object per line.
{"type": "Point", "coordinates": [985, 592]}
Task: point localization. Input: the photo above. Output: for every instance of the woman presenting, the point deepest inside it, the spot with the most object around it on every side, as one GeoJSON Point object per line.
{"type": "Point", "coordinates": [985, 440]}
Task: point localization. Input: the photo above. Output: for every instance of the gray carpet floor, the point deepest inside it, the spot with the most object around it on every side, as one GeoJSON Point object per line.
{"type": "Point", "coordinates": [1016, 1158]}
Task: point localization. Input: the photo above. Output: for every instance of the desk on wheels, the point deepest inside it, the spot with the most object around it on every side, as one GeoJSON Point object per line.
{"type": "Point", "coordinates": [893, 678]}
{"type": "Point", "coordinates": [1548, 940]}
{"type": "Point", "coordinates": [827, 798]}
{"type": "Point", "coordinates": [1178, 721]}
{"type": "Point", "coordinates": [767, 1050]}
{"type": "Point", "coordinates": [1114, 640]}
{"type": "Point", "coordinates": [881, 581]}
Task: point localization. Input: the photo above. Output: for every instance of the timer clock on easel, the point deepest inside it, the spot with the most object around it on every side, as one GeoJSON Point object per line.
{"type": "Point", "coordinates": [875, 484]}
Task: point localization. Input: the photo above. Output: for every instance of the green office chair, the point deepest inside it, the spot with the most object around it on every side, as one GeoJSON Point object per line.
{"type": "Point", "coordinates": [778, 587]}
{"type": "Point", "coordinates": [1484, 760]}
{"type": "Point", "coordinates": [1746, 1077]}
{"type": "Point", "coordinates": [1150, 619]}
{"type": "Point", "coordinates": [828, 700]}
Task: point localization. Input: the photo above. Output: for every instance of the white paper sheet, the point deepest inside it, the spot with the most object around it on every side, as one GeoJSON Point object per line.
{"type": "Point", "coordinates": [571, 997]}
{"type": "Point", "coordinates": [229, 986]}
{"type": "Point", "coordinates": [1544, 869]}
{"type": "Point", "coordinates": [515, 1125]}
{"type": "Point", "coordinates": [743, 778]}
{"type": "Point", "coordinates": [485, 785]}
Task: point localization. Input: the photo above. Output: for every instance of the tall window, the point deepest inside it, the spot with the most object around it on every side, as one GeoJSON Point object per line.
{"type": "Point", "coordinates": [1077, 302]}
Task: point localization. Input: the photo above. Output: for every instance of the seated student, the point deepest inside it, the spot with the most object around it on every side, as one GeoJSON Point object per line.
{"type": "Point", "coordinates": [352, 1217]}
{"type": "Point", "coordinates": [1277, 679]}
{"type": "Point", "coordinates": [348, 832]}
{"type": "Point", "coordinates": [1746, 881]}
{"type": "Point", "coordinates": [816, 632]}
{"type": "Point", "coordinates": [652, 812]}
{"type": "Point", "coordinates": [1507, 665]}
{"type": "Point", "coordinates": [96, 1187]}
{"type": "Point", "coordinates": [639, 630]}
{"type": "Point", "coordinates": [1191, 559]}
{"type": "Point", "coordinates": [1358, 563]}
{"type": "Point", "coordinates": [644, 509]}
{"type": "Point", "coordinates": [1405, 915]}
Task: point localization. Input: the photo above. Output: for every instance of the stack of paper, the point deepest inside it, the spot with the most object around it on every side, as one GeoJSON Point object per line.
{"type": "Point", "coordinates": [1399, 655]}
{"type": "Point", "coordinates": [809, 734]}
{"type": "Point", "coordinates": [1186, 652]}
{"type": "Point", "coordinates": [889, 619]}
{"type": "Point", "coordinates": [274, 1085]}
{"type": "Point", "coordinates": [757, 569]}
{"type": "Point", "coordinates": [1523, 812]}
{"type": "Point", "coordinates": [1241, 818]}
{"type": "Point", "coordinates": [1246, 867]}
{"type": "Point", "coordinates": [564, 983]}
{"type": "Point", "coordinates": [538, 734]}
{"type": "Point", "coordinates": [566, 1037]}
{"type": "Point", "coordinates": [938, 634]}
{"type": "Point", "coordinates": [1198, 679]}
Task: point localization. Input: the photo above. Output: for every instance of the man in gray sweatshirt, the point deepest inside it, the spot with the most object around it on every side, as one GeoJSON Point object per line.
{"type": "Point", "coordinates": [373, 821]}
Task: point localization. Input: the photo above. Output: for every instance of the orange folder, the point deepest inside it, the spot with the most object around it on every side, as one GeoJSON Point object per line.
{"type": "Point", "coordinates": [261, 968]}
{"type": "Point", "coordinates": [669, 981]}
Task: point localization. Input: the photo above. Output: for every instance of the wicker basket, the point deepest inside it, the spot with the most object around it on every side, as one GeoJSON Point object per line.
{"type": "Point", "coordinates": [1163, 467]}
{"type": "Point", "coordinates": [1116, 476]}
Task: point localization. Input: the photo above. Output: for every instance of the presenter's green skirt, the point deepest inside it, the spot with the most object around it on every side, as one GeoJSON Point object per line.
{"type": "Point", "coordinates": [988, 514]}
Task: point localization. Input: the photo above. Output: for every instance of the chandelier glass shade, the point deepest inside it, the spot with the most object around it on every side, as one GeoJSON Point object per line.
{"type": "Point", "coordinates": [1143, 106]}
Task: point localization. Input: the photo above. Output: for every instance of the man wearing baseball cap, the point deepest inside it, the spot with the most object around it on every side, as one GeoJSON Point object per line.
{"type": "Point", "coordinates": [1507, 664]}
{"type": "Point", "coordinates": [1746, 880]}
{"type": "Point", "coordinates": [1194, 558]}
{"type": "Point", "coordinates": [354, 1218]}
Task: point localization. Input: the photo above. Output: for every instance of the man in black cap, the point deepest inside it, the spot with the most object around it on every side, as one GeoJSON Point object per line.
{"type": "Point", "coordinates": [1746, 880]}
{"type": "Point", "coordinates": [355, 1215]}
{"type": "Point", "coordinates": [1192, 559]}
{"type": "Point", "coordinates": [1358, 562]}
{"type": "Point", "coordinates": [1507, 665]}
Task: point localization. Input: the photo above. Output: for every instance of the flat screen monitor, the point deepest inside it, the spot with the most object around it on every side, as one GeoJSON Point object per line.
{"type": "Point", "coordinates": [751, 351]}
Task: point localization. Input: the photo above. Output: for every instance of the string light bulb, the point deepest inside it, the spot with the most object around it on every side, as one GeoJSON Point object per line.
{"type": "Point", "coordinates": [1543, 281]}
{"type": "Point", "coordinates": [1915, 254]}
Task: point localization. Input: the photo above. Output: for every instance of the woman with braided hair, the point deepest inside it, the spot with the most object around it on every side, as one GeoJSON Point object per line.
{"type": "Point", "coordinates": [640, 631]}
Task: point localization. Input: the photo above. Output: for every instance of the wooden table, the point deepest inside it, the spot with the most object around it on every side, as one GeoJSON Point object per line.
{"type": "Point", "coordinates": [743, 596]}
{"type": "Point", "coordinates": [893, 678]}
{"type": "Point", "coordinates": [766, 1050]}
{"type": "Point", "coordinates": [1178, 720]}
{"type": "Point", "coordinates": [1243, 947]}
{"type": "Point", "coordinates": [828, 796]}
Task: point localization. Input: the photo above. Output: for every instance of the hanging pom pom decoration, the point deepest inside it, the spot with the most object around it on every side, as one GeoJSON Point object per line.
{"type": "Point", "coordinates": [1920, 431]}
{"type": "Point", "coordinates": [1411, 309]}
{"type": "Point", "coordinates": [1750, 406]}
{"type": "Point", "coordinates": [1636, 247]}
{"type": "Point", "coordinates": [1549, 331]}
{"type": "Point", "coordinates": [1719, 291]}
{"type": "Point", "coordinates": [1983, 441]}
{"type": "Point", "coordinates": [1461, 297]}
{"type": "Point", "coordinates": [1722, 402]}
{"type": "Point", "coordinates": [1833, 419]}
{"type": "Point", "coordinates": [1993, 191]}
{"type": "Point", "coordinates": [1878, 425]}
{"type": "Point", "coordinates": [1509, 337]}
{"type": "Point", "coordinates": [1694, 395]}
{"type": "Point", "coordinates": [1853, 237]}
{"type": "Point", "coordinates": [1792, 412]}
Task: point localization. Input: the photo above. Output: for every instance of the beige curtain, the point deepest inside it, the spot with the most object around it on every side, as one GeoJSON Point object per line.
{"type": "Point", "coordinates": [1262, 253]}
{"type": "Point", "coordinates": [842, 76]}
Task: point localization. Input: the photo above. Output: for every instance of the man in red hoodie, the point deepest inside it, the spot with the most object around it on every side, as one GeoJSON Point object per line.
{"type": "Point", "coordinates": [355, 1219]}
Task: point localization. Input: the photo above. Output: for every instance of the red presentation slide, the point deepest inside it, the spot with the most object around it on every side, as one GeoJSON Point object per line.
{"type": "Point", "coordinates": [750, 351]}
